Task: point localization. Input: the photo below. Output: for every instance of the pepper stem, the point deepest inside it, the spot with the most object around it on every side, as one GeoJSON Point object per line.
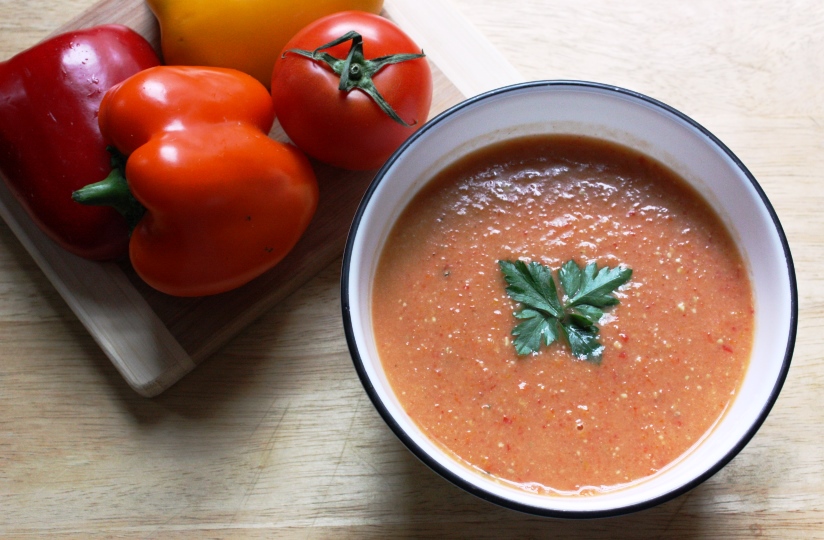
{"type": "Point", "coordinates": [113, 191]}
{"type": "Point", "coordinates": [355, 71]}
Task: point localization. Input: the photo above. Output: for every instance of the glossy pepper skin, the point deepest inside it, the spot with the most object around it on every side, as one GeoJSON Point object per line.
{"type": "Point", "coordinates": [245, 35]}
{"type": "Point", "coordinates": [223, 202]}
{"type": "Point", "coordinates": [50, 142]}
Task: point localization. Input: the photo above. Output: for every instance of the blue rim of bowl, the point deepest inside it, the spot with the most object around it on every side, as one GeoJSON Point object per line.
{"type": "Point", "coordinates": [473, 489]}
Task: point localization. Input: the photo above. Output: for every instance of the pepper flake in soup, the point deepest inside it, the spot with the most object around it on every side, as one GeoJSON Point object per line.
{"type": "Point", "coordinates": [670, 354]}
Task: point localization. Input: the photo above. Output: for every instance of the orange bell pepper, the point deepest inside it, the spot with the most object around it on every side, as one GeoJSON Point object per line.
{"type": "Point", "coordinates": [216, 202]}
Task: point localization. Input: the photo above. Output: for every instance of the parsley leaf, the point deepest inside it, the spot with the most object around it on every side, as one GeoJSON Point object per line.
{"type": "Point", "coordinates": [535, 326]}
{"type": "Point", "coordinates": [591, 286]}
{"type": "Point", "coordinates": [532, 285]}
{"type": "Point", "coordinates": [545, 318]}
{"type": "Point", "coordinates": [583, 342]}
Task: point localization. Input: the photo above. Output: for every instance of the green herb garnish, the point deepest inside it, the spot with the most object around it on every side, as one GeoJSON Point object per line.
{"type": "Point", "coordinates": [545, 317]}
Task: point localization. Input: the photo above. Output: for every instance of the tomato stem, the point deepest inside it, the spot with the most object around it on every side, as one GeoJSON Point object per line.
{"type": "Point", "coordinates": [355, 71]}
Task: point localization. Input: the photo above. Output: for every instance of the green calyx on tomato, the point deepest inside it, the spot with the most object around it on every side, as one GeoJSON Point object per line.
{"type": "Point", "coordinates": [355, 71]}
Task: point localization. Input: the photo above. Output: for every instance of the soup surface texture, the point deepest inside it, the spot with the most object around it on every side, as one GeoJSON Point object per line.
{"type": "Point", "coordinates": [676, 347]}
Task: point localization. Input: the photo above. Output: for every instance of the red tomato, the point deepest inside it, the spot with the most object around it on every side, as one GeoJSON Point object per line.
{"type": "Point", "coordinates": [348, 129]}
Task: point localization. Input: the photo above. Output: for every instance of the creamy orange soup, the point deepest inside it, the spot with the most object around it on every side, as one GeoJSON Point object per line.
{"type": "Point", "coordinates": [677, 345]}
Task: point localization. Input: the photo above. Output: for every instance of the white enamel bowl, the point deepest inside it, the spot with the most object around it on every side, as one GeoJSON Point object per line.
{"type": "Point", "coordinates": [639, 122]}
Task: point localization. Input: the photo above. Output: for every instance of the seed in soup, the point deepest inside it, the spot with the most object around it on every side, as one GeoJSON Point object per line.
{"type": "Point", "coordinates": [675, 348]}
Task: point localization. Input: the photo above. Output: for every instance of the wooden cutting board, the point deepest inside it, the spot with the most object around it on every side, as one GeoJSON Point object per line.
{"type": "Point", "coordinates": [154, 339]}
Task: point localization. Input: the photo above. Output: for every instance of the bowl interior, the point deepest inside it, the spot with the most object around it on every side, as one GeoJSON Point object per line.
{"type": "Point", "coordinates": [641, 123]}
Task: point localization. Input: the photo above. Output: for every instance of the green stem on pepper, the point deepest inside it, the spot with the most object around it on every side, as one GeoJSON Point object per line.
{"type": "Point", "coordinates": [113, 191]}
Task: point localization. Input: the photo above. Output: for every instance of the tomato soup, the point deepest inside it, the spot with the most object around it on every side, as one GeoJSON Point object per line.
{"type": "Point", "coordinates": [676, 346]}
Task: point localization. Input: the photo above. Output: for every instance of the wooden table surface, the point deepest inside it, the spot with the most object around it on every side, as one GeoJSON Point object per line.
{"type": "Point", "coordinates": [273, 436]}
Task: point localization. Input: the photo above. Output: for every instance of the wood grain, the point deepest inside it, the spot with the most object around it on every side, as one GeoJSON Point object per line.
{"type": "Point", "coordinates": [273, 437]}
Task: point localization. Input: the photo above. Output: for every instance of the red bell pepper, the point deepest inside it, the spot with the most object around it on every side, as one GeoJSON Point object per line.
{"type": "Point", "coordinates": [50, 141]}
{"type": "Point", "coordinates": [218, 201]}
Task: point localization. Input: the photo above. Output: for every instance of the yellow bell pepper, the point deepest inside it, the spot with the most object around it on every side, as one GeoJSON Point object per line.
{"type": "Point", "coordinates": [247, 35]}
